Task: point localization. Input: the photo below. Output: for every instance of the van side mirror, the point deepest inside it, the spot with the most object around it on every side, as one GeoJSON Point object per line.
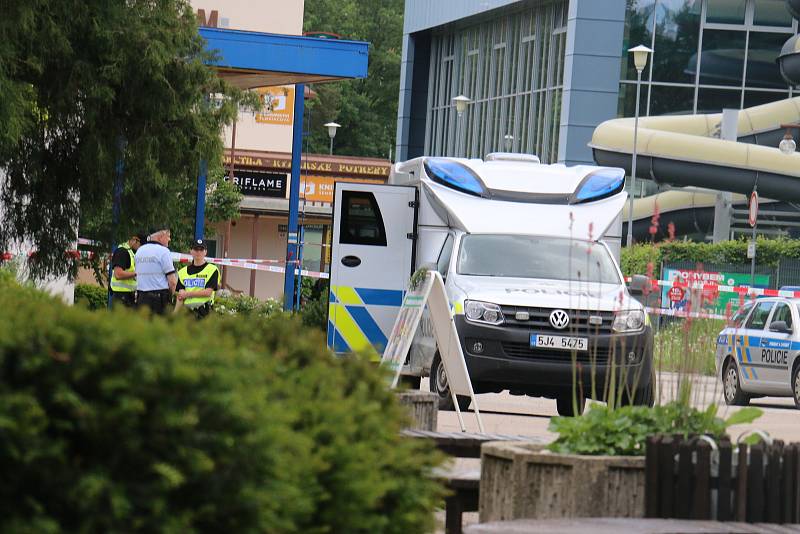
{"type": "Point", "coordinates": [780, 327]}
{"type": "Point", "coordinates": [638, 283]}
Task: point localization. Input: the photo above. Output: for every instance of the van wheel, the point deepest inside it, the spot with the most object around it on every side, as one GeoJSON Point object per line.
{"type": "Point", "coordinates": [796, 385]}
{"type": "Point", "coordinates": [566, 409]}
{"type": "Point", "coordinates": [732, 389]}
{"type": "Point", "coordinates": [438, 383]}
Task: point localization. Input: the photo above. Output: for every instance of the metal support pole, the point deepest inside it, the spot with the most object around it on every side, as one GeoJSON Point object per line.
{"type": "Point", "coordinates": [753, 259]}
{"type": "Point", "coordinates": [300, 267]}
{"type": "Point", "coordinates": [119, 170]}
{"type": "Point", "coordinates": [200, 202]}
{"type": "Point", "coordinates": [633, 161]}
{"type": "Point", "coordinates": [330, 152]}
{"type": "Point", "coordinates": [294, 199]}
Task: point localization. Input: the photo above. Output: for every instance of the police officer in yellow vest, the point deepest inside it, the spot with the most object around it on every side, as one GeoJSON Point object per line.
{"type": "Point", "coordinates": [198, 281]}
{"type": "Point", "coordinates": [123, 275]}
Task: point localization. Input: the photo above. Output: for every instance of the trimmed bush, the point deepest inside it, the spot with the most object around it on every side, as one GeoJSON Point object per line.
{"type": "Point", "coordinates": [247, 306]}
{"type": "Point", "coordinates": [91, 296]}
{"type": "Point", "coordinates": [122, 422]}
{"type": "Point", "coordinates": [635, 259]}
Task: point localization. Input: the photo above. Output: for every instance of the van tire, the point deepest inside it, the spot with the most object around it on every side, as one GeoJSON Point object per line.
{"type": "Point", "coordinates": [566, 409]}
{"type": "Point", "coordinates": [731, 386]}
{"type": "Point", "coordinates": [438, 385]}
{"type": "Point", "coordinates": [796, 385]}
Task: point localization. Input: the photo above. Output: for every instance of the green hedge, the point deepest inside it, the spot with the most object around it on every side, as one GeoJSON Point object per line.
{"type": "Point", "coordinates": [92, 296]}
{"type": "Point", "coordinates": [117, 422]}
{"type": "Point", "coordinates": [247, 306]}
{"type": "Point", "coordinates": [635, 259]}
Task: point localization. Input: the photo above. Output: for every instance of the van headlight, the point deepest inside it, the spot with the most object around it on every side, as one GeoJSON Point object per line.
{"type": "Point", "coordinates": [628, 321]}
{"type": "Point", "coordinates": [483, 312]}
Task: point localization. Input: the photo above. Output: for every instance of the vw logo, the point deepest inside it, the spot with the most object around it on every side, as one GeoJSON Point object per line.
{"type": "Point", "coordinates": [559, 319]}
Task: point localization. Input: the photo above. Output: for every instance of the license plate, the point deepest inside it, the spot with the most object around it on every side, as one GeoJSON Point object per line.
{"type": "Point", "coordinates": [543, 341]}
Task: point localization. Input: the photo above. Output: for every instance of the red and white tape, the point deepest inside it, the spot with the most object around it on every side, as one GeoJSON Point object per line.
{"type": "Point", "coordinates": [255, 265]}
{"type": "Point", "coordinates": [669, 312]}
{"type": "Point", "coordinates": [741, 290]}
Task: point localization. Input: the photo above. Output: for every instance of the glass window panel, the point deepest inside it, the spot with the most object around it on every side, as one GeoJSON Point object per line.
{"type": "Point", "coordinates": [762, 70]}
{"type": "Point", "coordinates": [726, 11]}
{"type": "Point", "coordinates": [638, 30]}
{"type": "Point", "coordinates": [671, 100]}
{"type": "Point", "coordinates": [714, 100]}
{"type": "Point", "coordinates": [722, 60]}
{"type": "Point", "coordinates": [771, 13]}
{"type": "Point", "coordinates": [627, 99]}
{"type": "Point", "coordinates": [756, 98]}
{"type": "Point", "coordinates": [677, 34]}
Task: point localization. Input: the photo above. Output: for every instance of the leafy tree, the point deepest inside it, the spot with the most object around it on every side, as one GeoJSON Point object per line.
{"type": "Point", "coordinates": [367, 108]}
{"type": "Point", "coordinates": [90, 83]}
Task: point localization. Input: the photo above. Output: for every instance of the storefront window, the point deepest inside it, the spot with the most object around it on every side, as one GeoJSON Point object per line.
{"type": "Point", "coordinates": [722, 60]}
{"type": "Point", "coordinates": [677, 33]}
{"type": "Point", "coordinates": [639, 21]}
{"type": "Point", "coordinates": [771, 13]}
{"type": "Point", "coordinates": [715, 100]}
{"type": "Point", "coordinates": [669, 100]}
{"type": "Point", "coordinates": [762, 70]}
{"type": "Point", "coordinates": [756, 98]}
{"type": "Point", "coordinates": [726, 11]}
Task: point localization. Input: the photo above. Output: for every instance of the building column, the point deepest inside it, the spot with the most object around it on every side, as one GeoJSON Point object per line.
{"type": "Point", "coordinates": [412, 112]}
{"type": "Point", "coordinates": [592, 67]}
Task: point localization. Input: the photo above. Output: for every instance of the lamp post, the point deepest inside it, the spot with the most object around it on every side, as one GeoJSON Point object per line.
{"type": "Point", "coordinates": [787, 144]}
{"type": "Point", "coordinates": [640, 55]}
{"type": "Point", "coordinates": [332, 127]}
{"type": "Point", "coordinates": [509, 141]}
{"type": "Point", "coordinates": [461, 103]}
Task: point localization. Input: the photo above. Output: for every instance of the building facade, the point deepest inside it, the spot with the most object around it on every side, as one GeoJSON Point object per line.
{"type": "Point", "coordinates": [258, 160]}
{"type": "Point", "coordinates": [542, 74]}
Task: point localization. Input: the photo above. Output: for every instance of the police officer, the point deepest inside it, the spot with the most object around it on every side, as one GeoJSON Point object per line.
{"type": "Point", "coordinates": [123, 274]}
{"type": "Point", "coordinates": [155, 273]}
{"type": "Point", "coordinates": [198, 282]}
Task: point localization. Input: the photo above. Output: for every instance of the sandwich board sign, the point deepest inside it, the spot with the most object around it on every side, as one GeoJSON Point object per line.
{"type": "Point", "coordinates": [431, 292]}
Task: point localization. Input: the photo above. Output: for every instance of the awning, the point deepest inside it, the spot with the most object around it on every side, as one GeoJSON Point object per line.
{"type": "Point", "coordinates": [252, 59]}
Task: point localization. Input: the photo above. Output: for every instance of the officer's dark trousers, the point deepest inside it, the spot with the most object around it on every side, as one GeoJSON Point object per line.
{"type": "Point", "coordinates": [122, 298]}
{"type": "Point", "coordinates": [155, 300]}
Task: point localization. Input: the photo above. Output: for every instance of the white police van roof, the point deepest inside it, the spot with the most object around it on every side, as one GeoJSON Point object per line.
{"type": "Point", "coordinates": [506, 195]}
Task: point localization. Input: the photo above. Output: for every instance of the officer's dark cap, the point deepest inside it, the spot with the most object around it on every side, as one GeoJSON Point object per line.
{"type": "Point", "coordinates": [199, 244]}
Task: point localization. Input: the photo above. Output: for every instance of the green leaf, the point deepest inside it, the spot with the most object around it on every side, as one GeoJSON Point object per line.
{"type": "Point", "coordinates": [743, 416]}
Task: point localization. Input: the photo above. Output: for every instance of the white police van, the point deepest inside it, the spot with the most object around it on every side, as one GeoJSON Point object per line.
{"type": "Point", "coordinates": [528, 255]}
{"type": "Point", "coordinates": [757, 354]}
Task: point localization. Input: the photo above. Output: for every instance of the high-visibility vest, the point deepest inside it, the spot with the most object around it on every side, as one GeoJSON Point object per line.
{"type": "Point", "coordinates": [129, 284]}
{"type": "Point", "coordinates": [197, 282]}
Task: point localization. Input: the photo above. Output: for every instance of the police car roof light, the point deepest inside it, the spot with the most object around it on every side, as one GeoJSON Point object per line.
{"type": "Point", "coordinates": [454, 175]}
{"type": "Point", "coordinates": [601, 184]}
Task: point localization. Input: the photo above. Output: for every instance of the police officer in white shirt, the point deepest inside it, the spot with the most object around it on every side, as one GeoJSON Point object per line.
{"type": "Point", "coordinates": [155, 273]}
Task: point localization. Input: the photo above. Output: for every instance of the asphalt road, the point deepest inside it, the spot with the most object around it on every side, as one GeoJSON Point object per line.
{"type": "Point", "coordinates": [503, 413]}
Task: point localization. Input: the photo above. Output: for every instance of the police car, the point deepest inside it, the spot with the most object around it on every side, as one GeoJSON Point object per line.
{"type": "Point", "coordinates": [757, 354]}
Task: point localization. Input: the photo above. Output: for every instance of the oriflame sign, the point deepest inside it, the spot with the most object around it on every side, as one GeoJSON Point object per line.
{"type": "Point", "coordinates": [278, 105]}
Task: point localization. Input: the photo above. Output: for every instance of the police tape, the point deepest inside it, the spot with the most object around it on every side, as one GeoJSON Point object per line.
{"type": "Point", "coordinates": [741, 290]}
{"type": "Point", "coordinates": [669, 312]}
{"type": "Point", "coordinates": [253, 265]}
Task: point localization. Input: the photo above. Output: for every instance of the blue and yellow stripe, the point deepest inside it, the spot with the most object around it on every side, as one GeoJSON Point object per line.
{"type": "Point", "coordinates": [351, 326]}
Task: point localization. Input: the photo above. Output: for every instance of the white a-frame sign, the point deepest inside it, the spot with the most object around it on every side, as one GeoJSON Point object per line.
{"type": "Point", "coordinates": [431, 292]}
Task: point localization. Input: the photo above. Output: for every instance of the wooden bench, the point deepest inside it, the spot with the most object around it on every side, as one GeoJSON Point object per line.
{"type": "Point", "coordinates": [608, 525]}
{"type": "Point", "coordinates": [464, 484]}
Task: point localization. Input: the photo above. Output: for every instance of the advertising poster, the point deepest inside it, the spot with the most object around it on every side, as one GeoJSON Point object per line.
{"type": "Point", "coordinates": [278, 105]}
{"type": "Point", "coordinates": [678, 294]}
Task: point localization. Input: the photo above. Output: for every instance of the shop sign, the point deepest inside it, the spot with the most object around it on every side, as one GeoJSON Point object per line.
{"type": "Point", "coordinates": [320, 188]}
{"type": "Point", "coordinates": [709, 297]}
{"type": "Point", "coordinates": [278, 105]}
{"type": "Point", "coordinates": [313, 166]}
{"type": "Point", "coordinates": [260, 184]}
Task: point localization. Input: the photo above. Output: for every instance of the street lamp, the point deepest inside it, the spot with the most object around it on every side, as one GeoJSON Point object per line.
{"type": "Point", "coordinates": [509, 140]}
{"type": "Point", "coordinates": [640, 55]}
{"type": "Point", "coordinates": [461, 103]}
{"type": "Point", "coordinates": [332, 127]}
{"type": "Point", "coordinates": [787, 144]}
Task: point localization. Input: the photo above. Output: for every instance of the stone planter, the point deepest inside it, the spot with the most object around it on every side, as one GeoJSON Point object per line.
{"type": "Point", "coordinates": [422, 407]}
{"type": "Point", "coordinates": [521, 480]}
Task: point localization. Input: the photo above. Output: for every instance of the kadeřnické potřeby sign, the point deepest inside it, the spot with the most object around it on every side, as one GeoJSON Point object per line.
{"type": "Point", "coordinates": [260, 184]}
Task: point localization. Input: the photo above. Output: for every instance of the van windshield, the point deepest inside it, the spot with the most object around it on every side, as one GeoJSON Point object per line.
{"type": "Point", "coordinates": [551, 258]}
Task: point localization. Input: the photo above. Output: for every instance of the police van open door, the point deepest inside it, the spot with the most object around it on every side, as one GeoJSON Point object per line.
{"type": "Point", "coordinates": [371, 258]}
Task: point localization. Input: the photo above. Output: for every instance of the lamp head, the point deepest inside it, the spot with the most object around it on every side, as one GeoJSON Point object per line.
{"type": "Point", "coordinates": [640, 55]}
{"type": "Point", "coordinates": [332, 127]}
{"type": "Point", "coordinates": [787, 144]}
{"type": "Point", "coordinates": [461, 102]}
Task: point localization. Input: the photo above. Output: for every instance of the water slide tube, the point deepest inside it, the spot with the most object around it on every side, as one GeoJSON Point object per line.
{"type": "Point", "coordinates": [685, 150]}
